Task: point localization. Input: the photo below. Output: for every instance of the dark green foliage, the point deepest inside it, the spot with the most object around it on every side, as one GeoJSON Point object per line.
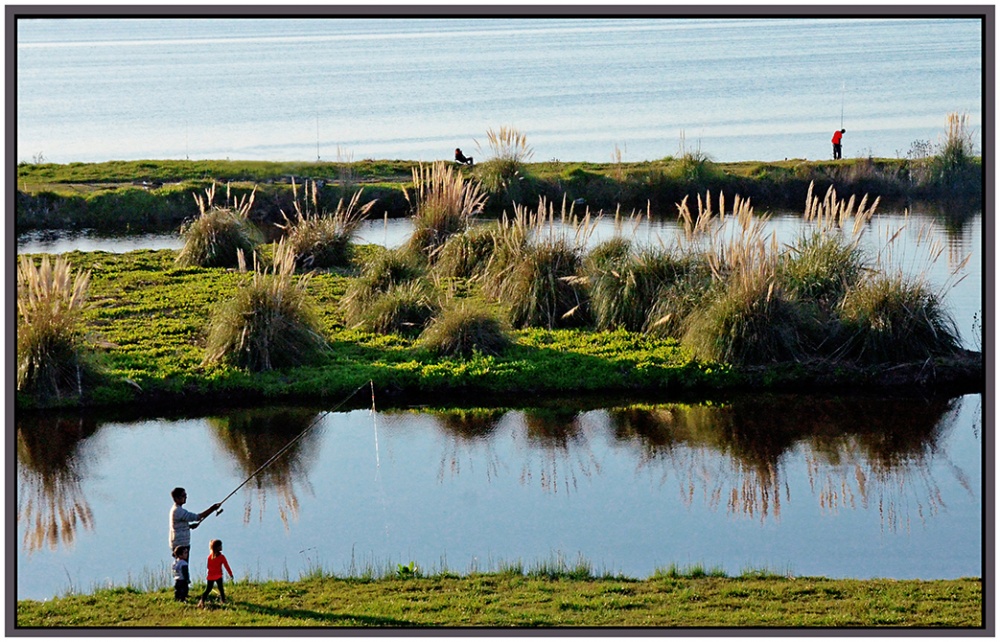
{"type": "Point", "coordinates": [461, 331]}
{"type": "Point", "coordinates": [893, 319]}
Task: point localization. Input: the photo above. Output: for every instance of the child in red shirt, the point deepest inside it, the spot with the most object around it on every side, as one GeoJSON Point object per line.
{"type": "Point", "coordinates": [216, 560]}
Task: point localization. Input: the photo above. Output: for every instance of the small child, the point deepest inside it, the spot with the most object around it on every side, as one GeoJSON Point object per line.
{"type": "Point", "coordinates": [216, 560]}
{"type": "Point", "coordinates": [182, 574]}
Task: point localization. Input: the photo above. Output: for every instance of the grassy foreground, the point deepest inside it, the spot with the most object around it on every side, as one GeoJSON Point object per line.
{"type": "Point", "coordinates": [515, 600]}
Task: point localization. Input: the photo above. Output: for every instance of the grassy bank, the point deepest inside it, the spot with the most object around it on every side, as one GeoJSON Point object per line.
{"type": "Point", "coordinates": [147, 323]}
{"type": "Point", "coordinates": [155, 195]}
{"type": "Point", "coordinates": [533, 599]}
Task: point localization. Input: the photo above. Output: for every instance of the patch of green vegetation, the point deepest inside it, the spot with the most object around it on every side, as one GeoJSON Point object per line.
{"type": "Point", "coordinates": [571, 597]}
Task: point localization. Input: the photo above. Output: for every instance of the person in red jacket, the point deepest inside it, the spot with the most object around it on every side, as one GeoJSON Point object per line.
{"type": "Point", "coordinates": [837, 136]}
{"type": "Point", "coordinates": [216, 560]}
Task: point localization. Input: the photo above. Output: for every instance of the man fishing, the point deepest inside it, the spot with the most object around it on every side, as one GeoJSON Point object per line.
{"type": "Point", "coordinates": [182, 520]}
{"type": "Point", "coordinates": [837, 136]}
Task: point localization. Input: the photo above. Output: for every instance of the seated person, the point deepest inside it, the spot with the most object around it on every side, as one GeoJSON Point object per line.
{"type": "Point", "coordinates": [461, 158]}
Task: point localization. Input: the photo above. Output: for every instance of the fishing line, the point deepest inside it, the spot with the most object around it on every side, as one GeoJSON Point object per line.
{"type": "Point", "coordinates": [378, 468]}
{"type": "Point", "coordinates": [843, 88]}
{"type": "Point", "coordinates": [312, 424]}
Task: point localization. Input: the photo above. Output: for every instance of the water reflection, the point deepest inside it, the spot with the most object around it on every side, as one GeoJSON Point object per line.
{"type": "Point", "coordinates": [858, 452]}
{"type": "Point", "coordinates": [558, 450]}
{"type": "Point", "coordinates": [469, 431]}
{"type": "Point", "coordinates": [50, 500]}
{"type": "Point", "coordinates": [253, 437]}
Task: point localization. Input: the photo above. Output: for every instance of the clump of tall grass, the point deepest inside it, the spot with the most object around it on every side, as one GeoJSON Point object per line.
{"type": "Point", "coordinates": [321, 239]}
{"type": "Point", "coordinates": [895, 318]}
{"type": "Point", "coordinates": [405, 309]}
{"type": "Point", "coordinates": [623, 293]}
{"type": "Point", "coordinates": [820, 268]}
{"type": "Point", "coordinates": [51, 300]}
{"type": "Point", "coordinates": [461, 331]}
{"type": "Point", "coordinates": [219, 232]}
{"type": "Point", "coordinates": [954, 166]}
{"type": "Point", "coordinates": [444, 204]}
{"type": "Point", "coordinates": [270, 323]}
{"type": "Point", "coordinates": [507, 155]}
{"type": "Point", "coordinates": [749, 321]}
{"type": "Point", "coordinates": [468, 254]}
{"type": "Point", "coordinates": [385, 271]}
{"type": "Point", "coordinates": [539, 278]}
{"type": "Point", "coordinates": [743, 317]}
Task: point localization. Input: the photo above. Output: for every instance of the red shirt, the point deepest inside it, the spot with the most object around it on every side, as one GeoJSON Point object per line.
{"type": "Point", "coordinates": [215, 567]}
{"type": "Point", "coordinates": [836, 137]}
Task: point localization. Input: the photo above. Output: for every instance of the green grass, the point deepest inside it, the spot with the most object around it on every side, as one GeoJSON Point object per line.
{"type": "Point", "coordinates": [148, 321]}
{"type": "Point", "coordinates": [517, 598]}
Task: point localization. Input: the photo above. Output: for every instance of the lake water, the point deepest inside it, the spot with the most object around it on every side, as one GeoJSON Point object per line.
{"type": "Point", "coordinates": [840, 487]}
{"type": "Point", "coordinates": [297, 89]}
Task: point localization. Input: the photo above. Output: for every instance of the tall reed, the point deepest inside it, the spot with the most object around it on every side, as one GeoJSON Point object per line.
{"type": "Point", "coordinates": [322, 239]}
{"type": "Point", "coordinates": [540, 277]}
{"type": "Point", "coordinates": [505, 165]}
{"type": "Point", "coordinates": [444, 204]}
{"type": "Point", "coordinates": [51, 302]}
{"type": "Point", "coordinates": [219, 232]}
{"type": "Point", "coordinates": [270, 323]}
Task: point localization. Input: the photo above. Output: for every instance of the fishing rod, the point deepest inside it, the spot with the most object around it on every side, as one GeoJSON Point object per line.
{"type": "Point", "coordinates": [843, 88]}
{"type": "Point", "coordinates": [312, 424]}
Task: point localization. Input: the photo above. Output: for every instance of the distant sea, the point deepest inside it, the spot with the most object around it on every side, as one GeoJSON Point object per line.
{"type": "Point", "coordinates": [579, 89]}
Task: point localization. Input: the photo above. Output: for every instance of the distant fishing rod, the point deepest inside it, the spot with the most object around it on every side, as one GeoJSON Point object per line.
{"type": "Point", "coordinates": [312, 424]}
{"type": "Point", "coordinates": [843, 88]}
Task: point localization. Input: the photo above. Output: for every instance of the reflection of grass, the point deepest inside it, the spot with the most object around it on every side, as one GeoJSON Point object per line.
{"type": "Point", "coordinates": [50, 499]}
{"type": "Point", "coordinates": [253, 437]}
{"type": "Point", "coordinates": [867, 453]}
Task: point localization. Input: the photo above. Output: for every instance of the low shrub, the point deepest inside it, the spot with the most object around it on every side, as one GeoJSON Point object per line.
{"type": "Point", "coordinates": [219, 233]}
{"type": "Point", "coordinates": [270, 323]}
{"type": "Point", "coordinates": [51, 298]}
{"type": "Point", "coordinates": [461, 331]}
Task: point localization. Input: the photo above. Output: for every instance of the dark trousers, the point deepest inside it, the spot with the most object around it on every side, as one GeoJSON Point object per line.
{"type": "Point", "coordinates": [836, 151]}
{"type": "Point", "coordinates": [180, 590]}
{"type": "Point", "coordinates": [208, 589]}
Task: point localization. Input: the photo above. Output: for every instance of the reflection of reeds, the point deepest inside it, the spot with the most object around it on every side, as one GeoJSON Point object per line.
{"type": "Point", "coordinates": [864, 453]}
{"type": "Point", "coordinates": [255, 436]}
{"type": "Point", "coordinates": [552, 433]}
{"type": "Point", "coordinates": [50, 500]}
{"type": "Point", "coordinates": [469, 429]}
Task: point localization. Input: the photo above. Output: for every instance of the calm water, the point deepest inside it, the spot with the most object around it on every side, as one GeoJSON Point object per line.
{"type": "Point", "coordinates": [841, 487]}
{"type": "Point", "coordinates": [294, 89]}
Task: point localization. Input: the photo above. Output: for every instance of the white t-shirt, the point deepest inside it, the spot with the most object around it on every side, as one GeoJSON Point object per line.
{"type": "Point", "coordinates": [180, 526]}
{"type": "Point", "coordinates": [180, 566]}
